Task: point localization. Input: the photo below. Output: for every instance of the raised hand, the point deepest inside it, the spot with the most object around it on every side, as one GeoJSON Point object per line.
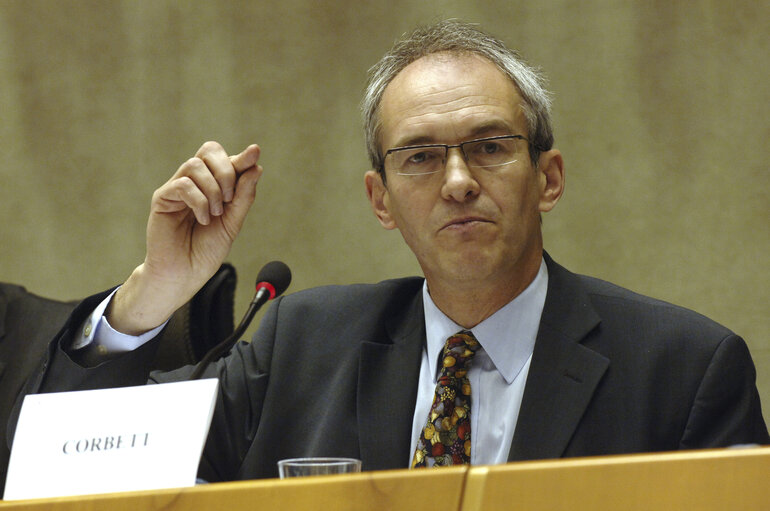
{"type": "Point", "coordinates": [194, 219]}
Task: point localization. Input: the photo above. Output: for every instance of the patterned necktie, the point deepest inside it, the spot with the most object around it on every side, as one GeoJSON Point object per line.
{"type": "Point", "coordinates": [446, 437]}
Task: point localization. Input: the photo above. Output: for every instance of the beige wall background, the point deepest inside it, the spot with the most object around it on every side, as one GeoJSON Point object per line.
{"type": "Point", "coordinates": [661, 112]}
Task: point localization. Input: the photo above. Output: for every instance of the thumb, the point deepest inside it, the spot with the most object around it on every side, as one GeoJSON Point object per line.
{"type": "Point", "coordinates": [246, 159]}
{"type": "Point", "coordinates": [245, 192]}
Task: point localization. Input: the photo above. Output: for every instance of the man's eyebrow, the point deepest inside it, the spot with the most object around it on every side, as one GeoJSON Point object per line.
{"type": "Point", "coordinates": [415, 140]}
{"type": "Point", "coordinates": [495, 127]}
{"type": "Point", "coordinates": [492, 127]}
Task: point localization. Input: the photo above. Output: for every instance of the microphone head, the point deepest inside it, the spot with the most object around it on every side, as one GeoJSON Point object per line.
{"type": "Point", "coordinates": [275, 277]}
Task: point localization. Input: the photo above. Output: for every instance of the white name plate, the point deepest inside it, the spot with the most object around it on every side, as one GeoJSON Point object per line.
{"type": "Point", "coordinates": [103, 441]}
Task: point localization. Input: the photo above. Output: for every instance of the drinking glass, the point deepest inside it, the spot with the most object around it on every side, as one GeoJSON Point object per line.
{"type": "Point", "coordinates": [298, 467]}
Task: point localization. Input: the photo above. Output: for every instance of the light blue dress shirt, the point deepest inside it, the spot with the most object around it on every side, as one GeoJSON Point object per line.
{"type": "Point", "coordinates": [498, 372]}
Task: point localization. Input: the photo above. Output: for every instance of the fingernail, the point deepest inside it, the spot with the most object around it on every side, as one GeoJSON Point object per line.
{"type": "Point", "coordinates": [216, 210]}
{"type": "Point", "coordinates": [228, 195]}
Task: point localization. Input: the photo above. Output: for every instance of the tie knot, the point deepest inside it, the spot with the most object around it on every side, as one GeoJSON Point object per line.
{"type": "Point", "coordinates": [459, 350]}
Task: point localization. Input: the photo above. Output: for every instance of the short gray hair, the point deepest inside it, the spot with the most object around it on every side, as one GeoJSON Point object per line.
{"type": "Point", "coordinates": [454, 36]}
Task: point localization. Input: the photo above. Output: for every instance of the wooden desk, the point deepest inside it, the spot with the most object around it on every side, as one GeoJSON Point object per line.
{"type": "Point", "coordinates": [725, 479]}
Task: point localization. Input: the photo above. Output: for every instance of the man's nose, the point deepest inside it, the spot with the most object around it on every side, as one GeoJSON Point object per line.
{"type": "Point", "coordinates": [459, 181]}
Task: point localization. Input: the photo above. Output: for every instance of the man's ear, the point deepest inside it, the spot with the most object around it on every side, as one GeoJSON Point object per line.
{"type": "Point", "coordinates": [550, 170]}
{"type": "Point", "coordinates": [378, 198]}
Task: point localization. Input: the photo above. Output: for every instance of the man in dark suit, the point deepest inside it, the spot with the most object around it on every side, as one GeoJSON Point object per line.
{"type": "Point", "coordinates": [459, 134]}
{"type": "Point", "coordinates": [23, 340]}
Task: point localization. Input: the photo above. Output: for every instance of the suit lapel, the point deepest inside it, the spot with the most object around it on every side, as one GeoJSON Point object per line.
{"type": "Point", "coordinates": [563, 374]}
{"type": "Point", "coordinates": [387, 389]}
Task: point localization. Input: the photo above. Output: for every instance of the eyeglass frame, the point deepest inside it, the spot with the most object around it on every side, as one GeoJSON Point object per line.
{"type": "Point", "coordinates": [447, 147]}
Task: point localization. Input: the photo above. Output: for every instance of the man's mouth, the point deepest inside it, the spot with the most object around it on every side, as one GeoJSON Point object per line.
{"type": "Point", "coordinates": [464, 222]}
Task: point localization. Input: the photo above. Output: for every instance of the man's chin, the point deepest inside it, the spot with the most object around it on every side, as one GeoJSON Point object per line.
{"type": "Point", "coordinates": [471, 267]}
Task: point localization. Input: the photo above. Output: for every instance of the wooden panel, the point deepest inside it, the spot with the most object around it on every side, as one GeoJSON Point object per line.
{"type": "Point", "coordinates": [703, 480]}
{"type": "Point", "coordinates": [397, 489]}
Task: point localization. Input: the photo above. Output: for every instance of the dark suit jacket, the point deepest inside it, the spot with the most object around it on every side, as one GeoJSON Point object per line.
{"type": "Point", "coordinates": [27, 325]}
{"type": "Point", "coordinates": [332, 371]}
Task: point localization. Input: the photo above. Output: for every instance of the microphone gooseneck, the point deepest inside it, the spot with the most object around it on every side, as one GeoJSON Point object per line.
{"type": "Point", "coordinates": [272, 280]}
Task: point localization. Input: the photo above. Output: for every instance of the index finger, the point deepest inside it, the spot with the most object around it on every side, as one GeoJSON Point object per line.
{"type": "Point", "coordinates": [219, 165]}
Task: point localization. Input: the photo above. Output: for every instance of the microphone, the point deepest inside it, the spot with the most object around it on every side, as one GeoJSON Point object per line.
{"type": "Point", "coordinates": [272, 280]}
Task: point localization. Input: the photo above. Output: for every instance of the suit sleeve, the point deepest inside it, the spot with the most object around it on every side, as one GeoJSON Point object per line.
{"type": "Point", "coordinates": [726, 410]}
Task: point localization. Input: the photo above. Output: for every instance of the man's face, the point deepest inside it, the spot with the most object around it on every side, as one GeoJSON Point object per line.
{"type": "Point", "coordinates": [465, 225]}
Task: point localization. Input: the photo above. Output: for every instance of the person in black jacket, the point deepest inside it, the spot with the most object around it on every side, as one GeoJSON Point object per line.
{"type": "Point", "coordinates": [27, 324]}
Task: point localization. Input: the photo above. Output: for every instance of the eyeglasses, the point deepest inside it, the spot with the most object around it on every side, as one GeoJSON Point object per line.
{"type": "Point", "coordinates": [418, 160]}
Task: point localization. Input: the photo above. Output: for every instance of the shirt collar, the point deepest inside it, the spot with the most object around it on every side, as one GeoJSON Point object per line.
{"type": "Point", "coordinates": [508, 336]}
